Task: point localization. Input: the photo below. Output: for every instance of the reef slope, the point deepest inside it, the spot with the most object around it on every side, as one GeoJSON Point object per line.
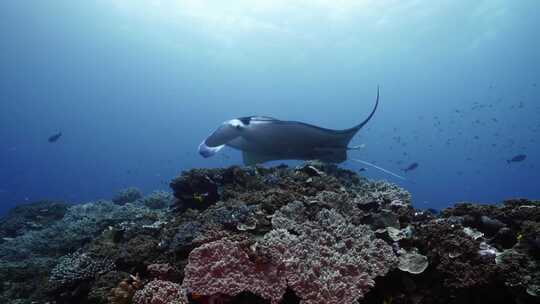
{"type": "Point", "coordinates": [310, 234]}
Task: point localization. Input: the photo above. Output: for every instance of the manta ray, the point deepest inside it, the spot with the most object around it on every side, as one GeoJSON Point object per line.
{"type": "Point", "coordinates": [262, 139]}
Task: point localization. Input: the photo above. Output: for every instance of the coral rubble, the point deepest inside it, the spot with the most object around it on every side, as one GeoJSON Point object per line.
{"type": "Point", "coordinates": [311, 234]}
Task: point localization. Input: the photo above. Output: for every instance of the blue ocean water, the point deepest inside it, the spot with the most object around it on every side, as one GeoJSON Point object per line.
{"type": "Point", "coordinates": [134, 86]}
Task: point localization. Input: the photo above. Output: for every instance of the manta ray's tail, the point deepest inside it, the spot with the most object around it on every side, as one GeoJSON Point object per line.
{"type": "Point", "coordinates": [348, 134]}
{"type": "Point", "coordinates": [377, 167]}
{"type": "Point", "coordinates": [360, 125]}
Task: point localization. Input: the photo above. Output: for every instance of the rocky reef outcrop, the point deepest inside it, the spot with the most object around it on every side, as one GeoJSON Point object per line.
{"type": "Point", "coordinates": [311, 234]}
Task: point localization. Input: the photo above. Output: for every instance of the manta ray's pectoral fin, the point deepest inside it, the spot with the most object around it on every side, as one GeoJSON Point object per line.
{"type": "Point", "coordinates": [252, 158]}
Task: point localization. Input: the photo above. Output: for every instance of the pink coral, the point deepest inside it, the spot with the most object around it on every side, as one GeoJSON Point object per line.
{"type": "Point", "coordinates": [327, 260]}
{"type": "Point", "coordinates": [161, 271]}
{"type": "Point", "coordinates": [160, 292]}
{"type": "Point", "coordinates": [331, 261]}
{"type": "Point", "coordinates": [224, 267]}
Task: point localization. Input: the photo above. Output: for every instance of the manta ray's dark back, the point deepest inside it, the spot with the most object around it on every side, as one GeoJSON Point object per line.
{"type": "Point", "coordinates": [282, 139]}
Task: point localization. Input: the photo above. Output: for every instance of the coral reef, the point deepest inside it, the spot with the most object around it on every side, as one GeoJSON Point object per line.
{"type": "Point", "coordinates": [34, 216]}
{"type": "Point", "coordinates": [163, 271]}
{"type": "Point", "coordinates": [126, 196]}
{"type": "Point", "coordinates": [224, 267]}
{"type": "Point", "coordinates": [315, 233]}
{"type": "Point", "coordinates": [124, 292]}
{"type": "Point", "coordinates": [94, 230]}
{"type": "Point", "coordinates": [412, 261]}
{"type": "Point", "coordinates": [76, 267]}
{"type": "Point", "coordinates": [160, 292]}
{"type": "Point", "coordinates": [329, 260]}
{"type": "Point", "coordinates": [158, 200]}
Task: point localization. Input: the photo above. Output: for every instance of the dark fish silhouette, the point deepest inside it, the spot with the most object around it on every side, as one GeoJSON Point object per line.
{"type": "Point", "coordinates": [517, 158]}
{"type": "Point", "coordinates": [55, 137]}
{"type": "Point", "coordinates": [411, 167]}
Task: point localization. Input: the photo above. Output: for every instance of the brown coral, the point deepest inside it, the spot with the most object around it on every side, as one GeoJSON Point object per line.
{"type": "Point", "coordinates": [124, 292]}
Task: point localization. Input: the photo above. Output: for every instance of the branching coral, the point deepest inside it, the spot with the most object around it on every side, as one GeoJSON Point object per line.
{"type": "Point", "coordinates": [80, 224]}
{"type": "Point", "coordinates": [382, 192]}
{"type": "Point", "coordinates": [78, 266]}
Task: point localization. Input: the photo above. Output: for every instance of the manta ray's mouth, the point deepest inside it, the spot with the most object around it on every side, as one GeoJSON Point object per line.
{"type": "Point", "coordinates": [207, 151]}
